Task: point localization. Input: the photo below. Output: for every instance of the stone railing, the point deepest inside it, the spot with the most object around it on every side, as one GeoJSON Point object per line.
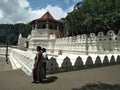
{"type": "Point", "coordinates": [62, 63]}
{"type": "Point", "coordinates": [2, 50]}
{"type": "Point", "coordinates": [21, 59]}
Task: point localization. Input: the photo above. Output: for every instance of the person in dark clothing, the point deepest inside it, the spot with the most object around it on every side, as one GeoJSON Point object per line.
{"type": "Point", "coordinates": [37, 70]}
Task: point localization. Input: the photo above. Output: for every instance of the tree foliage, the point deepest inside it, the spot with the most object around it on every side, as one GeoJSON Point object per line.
{"type": "Point", "coordinates": [9, 32]}
{"type": "Point", "coordinates": [94, 16]}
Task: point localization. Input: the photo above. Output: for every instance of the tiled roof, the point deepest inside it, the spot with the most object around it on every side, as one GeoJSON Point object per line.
{"type": "Point", "coordinates": [47, 16]}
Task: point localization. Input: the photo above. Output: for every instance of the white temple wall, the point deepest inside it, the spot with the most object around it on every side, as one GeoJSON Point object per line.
{"type": "Point", "coordinates": [109, 43]}
{"type": "Point", "coordinates": [40, 32]}
{"type": "Point", "coordinates": [22, 43]}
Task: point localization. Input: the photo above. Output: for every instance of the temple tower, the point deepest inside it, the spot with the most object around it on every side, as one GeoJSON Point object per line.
{"type": "Point", "coordinates": [42, 28]}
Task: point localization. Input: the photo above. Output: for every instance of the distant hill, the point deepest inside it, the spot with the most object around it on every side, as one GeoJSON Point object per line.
{"type": "Point", "coordinates": [10, 32]}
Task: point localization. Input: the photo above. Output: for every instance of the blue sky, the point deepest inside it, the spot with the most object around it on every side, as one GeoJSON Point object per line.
{"type": "Point", "coordinates": [24, 11]}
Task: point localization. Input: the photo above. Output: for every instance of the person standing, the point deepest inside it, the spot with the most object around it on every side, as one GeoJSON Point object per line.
{"type": "Point", "coordinates": [44, 61]}
{"type": "Point", "coordinates": [37, 70]}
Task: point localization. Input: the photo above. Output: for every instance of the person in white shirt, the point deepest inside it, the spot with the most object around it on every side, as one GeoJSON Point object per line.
{"type": "Point", "coordinates": [44, 61]}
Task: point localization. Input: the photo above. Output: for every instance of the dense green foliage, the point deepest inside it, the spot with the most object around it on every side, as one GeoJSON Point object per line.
{"type": "Point", "coordinates": [94, 16]}
{"type": "Point", "coordinates": [10, 32]}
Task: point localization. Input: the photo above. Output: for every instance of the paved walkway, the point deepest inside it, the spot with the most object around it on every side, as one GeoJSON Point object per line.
{"type": "Point", "coordinates": [103, 78]}
{"type": "Point", "coordinates": [3, 64]}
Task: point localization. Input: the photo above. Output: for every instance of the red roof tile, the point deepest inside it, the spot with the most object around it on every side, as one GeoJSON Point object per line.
{"type": "Point", "coordinates": [47, 16]}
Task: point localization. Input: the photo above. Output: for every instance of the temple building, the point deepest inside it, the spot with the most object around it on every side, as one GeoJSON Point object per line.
{"type": "Point", "coordinates": [44, 32]}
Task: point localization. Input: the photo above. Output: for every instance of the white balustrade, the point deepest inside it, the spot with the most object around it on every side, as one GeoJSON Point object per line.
{"type": "Point", "coordinates": [96, 43]}
{"type": "Point", "coordinates": [66, 62]}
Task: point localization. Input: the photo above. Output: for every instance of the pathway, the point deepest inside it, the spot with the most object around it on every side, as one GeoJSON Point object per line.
{"type": "Point", "coordinates": [103, 78]}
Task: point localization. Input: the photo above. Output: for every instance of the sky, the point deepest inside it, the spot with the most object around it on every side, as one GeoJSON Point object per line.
{"type": "Point", "coordinates": [24, 11]}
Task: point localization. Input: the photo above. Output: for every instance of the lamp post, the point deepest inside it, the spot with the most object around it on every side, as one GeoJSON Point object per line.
{"type": "Point", "coordinates": [87, 44]}
{"type": "Point", "coordinates": [7, 48]}
{"type": "Point", "coordinates": [7, 52]}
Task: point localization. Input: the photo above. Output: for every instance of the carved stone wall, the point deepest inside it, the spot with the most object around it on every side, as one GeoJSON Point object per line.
{"type": "Point", "coordinates": [80, 44]}
{"type": "Point", "coordinates": [25, 60]}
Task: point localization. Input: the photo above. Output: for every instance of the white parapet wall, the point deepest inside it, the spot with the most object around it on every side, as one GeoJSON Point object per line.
{"type": "Point", "coordinates": [2, 50]}
{"type": "Point", "coordinates": [67, 62]}
{"type": "Point", "coordinates": [21, 59]}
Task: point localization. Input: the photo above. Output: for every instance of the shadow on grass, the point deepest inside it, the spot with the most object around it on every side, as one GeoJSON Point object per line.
{"type": "Point", "coordinates": [99, 86]}
{"type": "Point", "coordinates": [49, 79]}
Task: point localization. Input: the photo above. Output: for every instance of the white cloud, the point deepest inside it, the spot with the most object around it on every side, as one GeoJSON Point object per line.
{"type": "Point", "coordinates": [14, 11]}
{"type": "Point", "coordinates": [55, 11]}
{"type": "Point", "coordinates": [1, 14]}
{"type": "Point", "coordinates": [70, 9]}
{"type": "Point", "coordinates": [23, 3]}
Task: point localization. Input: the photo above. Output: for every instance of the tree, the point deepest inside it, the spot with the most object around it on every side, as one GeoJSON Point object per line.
{"type": "Point", "coordinates": [94, 16]}
{"type": "Point", "coordinates": [11, 32]}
